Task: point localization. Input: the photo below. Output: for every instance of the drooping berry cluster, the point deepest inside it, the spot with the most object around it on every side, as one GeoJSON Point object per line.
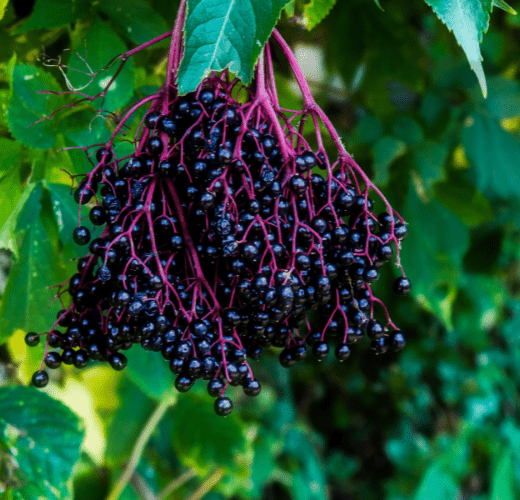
{"type": "Point", "coordinates": [219, 234]}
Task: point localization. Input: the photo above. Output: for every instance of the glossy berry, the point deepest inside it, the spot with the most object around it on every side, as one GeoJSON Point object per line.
{"type": "Point", "coordinates": [320, 350]}
{"type": "Point", "coordinates": [117, 361]}
{"type": "Point", "coordinates": [53, 360]}
{"type": "Point", "coordinates": [223, 406]}
{"type": "Point", "coordinates": [215, 387]}
{"type": "Point", "coordinates": [402, 286]}
{"type": "Point", "coordinates": [40, 379]}
{"type": "Point", "coordinates": [32, 339]}
{"type": "Point", "coordinates": [97, 216]}
{"type": "Point", "coordinates": [397, 341]}
{"type": "Point", "coordinates": [342, 352]}
{"type": "Point", "coordinates": [252, 387]}
{"type": "Point", "coordinates": [183, 383]}
{"type": "Point", "coordinates": [81, 235]}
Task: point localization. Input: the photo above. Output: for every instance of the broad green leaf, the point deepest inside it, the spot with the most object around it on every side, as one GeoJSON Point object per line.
{"type": "Point", "coordinates": [10, 152]}
{"type": "Point", "coordinates": [429, 158]}
{"type": "Point", "coordinates": [225, 34]}
{"type": "Point", "coordinates": [26, 106]}
{"type": "Point", "coordinates": [502, 485]}
{"type": "Point", "coordinates": [53, 13]}
{"type": "Point", "coordinates": [43, 438]}
{"type": "Point", "coordinates": [437, 484]}
{"type": "Point", "coordinates": [434, 270]}
{"type": "Point", "coordinates": [316, 11]}
{"type": "Point", "coordinates": [150, 373]}
{"type": "Point", "coordinates": [504, 6]}
{"type": "Point", "coordinates": [385, 151]}
{"type": "Point", "coordinates": [368, 130]}
{"type": "Point", "coordinates": [504, 97]}
{"type": "Point", "coordinates": [407, 129]}
{"type": "Point", "coordinates": [465, 201]}
{"type": "Point", "coordinates": [191, 419]}
{"type": "Point", "coordinates": [102, 44]}
{"type": "Point", "coordinates": [494, 155]}
{"type": "Point", "coordinates": [468, 20]}
{"type": "Point", "coordinates": [26, 300]}
{"type": "Point", "coordinates": [10, 193]}
{"type": "Point", "coordinates": [138, 20]}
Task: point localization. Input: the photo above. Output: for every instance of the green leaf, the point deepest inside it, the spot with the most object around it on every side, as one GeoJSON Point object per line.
{"type": "Point", "coordinates": [504, 6]}
{"type": "Point", "coordinates": [102, 44]}
{"type": "Point", "coordinates": [437, 484]}
{"type": "Point", "coordinates": [407, 129]}
{"type": "Point", "coordinates": [316, 11]}
{"type": "Point", "coordinates": [152, 375]}
{"type": "Point", "coordinates": [504, 97]}
{"type": "Point", "coordinates": [26, 300]}
{"type": "Point", "coordinates": [138, 20]}
{"type": "Point", "coordinates": [53, 13]}
{"type": "Point", "coordinates": [468, 20]}
{"type": "Point", "coordinates": [201, 449]}
{"type": "Point", "coordinates": [225, 34]}
{"type": "Point", "coordinates": [430, 158]}
{"type": "Point", "coordinates": [43, 438]}
{"type": "Point", "coordinates": [3, 6]}
{"type": "Point", "coordinates": [465, 201]}
{"type": "Point", "coordinates": [10, 152]}
{"type": "Point", "coordinates": [494, 155]}
{"type": "Point", "coordinates": [26, 106]}
{"type": "Point", "coordinates": [385, 151]}
{"type": "Point", "coordinates": [502, 485]}
{"type": "Point", "coordinates": [435, 271]}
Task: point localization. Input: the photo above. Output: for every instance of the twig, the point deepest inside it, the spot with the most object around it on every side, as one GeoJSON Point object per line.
{"type": "Point", "coordinates": [207, 485]}
{"type": "Point", "coordinates": [140, 444]}
{"type": "Point", "coordinates": [176, 483]}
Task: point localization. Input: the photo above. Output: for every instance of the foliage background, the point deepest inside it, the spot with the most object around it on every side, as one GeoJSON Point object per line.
{"type": "Point", "coordinates": [439, 421]}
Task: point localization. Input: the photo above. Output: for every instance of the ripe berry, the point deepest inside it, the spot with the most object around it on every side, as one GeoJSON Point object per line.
{"type": "Point", "coordinates": [320, 349]}
{"type": "Point", "coordinates": [81, 235]}
{"type": "Point", "coordinates": [97, 216]}
{"type": "Point", "coordinates": [223, 406]}
{"type": "Point", "coordinates": [183, 383]}
{"type": "Point", "coordinates": [252, 387]}
{"type": "Point", "coordinates": [53, 360]}
{"type": "Point", "coordinates": [342, 352]}
{"type": "Point", "coordinates": [32, 339]}
{"type": "Point", "coordinates": [117, 361]}
{"type": "Point", "coordinates": [402, 286]}
{"type": "Point", "coordinates": [397, 341]}
{"type": "Point", "coordinates": [40, 379]}
{"type": "Point", "coordinates": [215, 387]}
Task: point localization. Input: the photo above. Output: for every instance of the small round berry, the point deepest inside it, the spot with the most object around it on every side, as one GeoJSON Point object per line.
{"type": "Point", "coordinates": [97, 216]}
{"type": "Point", "coordinates": [151, 119]}
{"type": "Point", "coordinates": [252, 387]}
{"type": "Point", "coordinates": [342, 352]}
{"type": "Point", "coordinates": [183, 383]}
{"type": "Point", "coordinates": [401, 232]}
{"type": "Point", "coordinates": [397, 341]}
{"type": "Point", "coordinates": [81, 358]}
{"type": "Point", "coordinates": [81, 235]}
{"type": "Point", "coordinates": [380, 346]}
{"type": "Point", "coordinates": [375, 330]}
{"type": "Point", "coordinates": [67, 356]}
{"type": "Point", "coordinates": [53, 360]}
{"type": "Point", "coordinates": [117, 361]}
{"type": "Point", "coordinates": [104, 152]}
{"type": "Point", "coordinates": [223, 406]}
{"type": "Point", "coordinates": [40, 379]}
{"type": "Point", "coordinates": [402, 286]}
{"type": "Point", "coordinates": [32, 339]}
{"type": "Point", "coordinates": [215, 387]}
{"type": "Point", "coordinates": [320, 349]}
{"type": "Point", "coordinates": [287, 359]}
{"type": "Point", "coordinates": [155, 145]}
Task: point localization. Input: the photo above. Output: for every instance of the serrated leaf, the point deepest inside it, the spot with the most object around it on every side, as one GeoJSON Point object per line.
{"type": "Point", "coordinates": [316, 11]}
{"type": "Point", "coordinates": [48, 14]}
{"type": "Point", "coordinates": [43, 438]}
{"type": "Point", "coordinates": [502, 485]}
{"type": "Point", "coordinates": [504, 6]}
{"type": "Point", "coordinates": [385, 151]}
{"type": "Point", "coordinates": [26, 300]}
{"type": "Point", "coordinates": [225, 34]}
{"type": "Point", "coordinates": [494, 155]}
{"type": "Point", "coordinates": [26, 106]}
{"type": "Point", "coordinates": [138, 20]}
{"type": "Point", "coordinates": [468, 20]}
{"type": "Point", "coordinates": [102, 44]}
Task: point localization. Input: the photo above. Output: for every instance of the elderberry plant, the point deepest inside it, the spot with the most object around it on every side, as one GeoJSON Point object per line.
{"type": "Point", "coordinates": [221, 231]}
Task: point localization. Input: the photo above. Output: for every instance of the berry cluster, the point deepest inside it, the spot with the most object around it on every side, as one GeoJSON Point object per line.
{"type": "Point", "coordinates": [217, 237]}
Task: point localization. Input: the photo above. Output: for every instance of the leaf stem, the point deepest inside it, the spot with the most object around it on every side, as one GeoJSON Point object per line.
{"type": "Point", "coordinates": [139, 446]}
{"type": "Point", "coordinates": [176, 483]}
{"type": "Point", "coordinates": [207, 485]}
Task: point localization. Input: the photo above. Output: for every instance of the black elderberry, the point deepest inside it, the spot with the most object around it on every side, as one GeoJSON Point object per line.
{"type": "Point", "coordinates": [401, 232]}
{"type": "Point", "coordinates": [381, 345]}
{"type": "Point", "coordinates": [81, 235]}
{"type": "Point", "coordinates": [252, 387]}
{"type": "Point", "coordinates": [32, 339]}
{"type": "Point", "coordinates": [342, 352]}
{"type": "Point", "coordinates": [167, 125]}
{"type": "Point", "coordinates": [53, 360]}
{"type": "Point", "coordinates": [97, 216]}
{"type": "Point", "coordinates": [117, 361]}
{"type": "Point", "coordinates": [320, 349]}
{"type": "Point", "coordinates": [40, 379]}
{"type": "Point", "coordinates": [215, 387]}
{"type": "Point", "coordinates": [402, 286]}
{"type": "Point", "coordinates": [298, 185]}
{"type": "Point", "coordinates": [81, 358]}
{"type": "Point", "coordinates": [287, 358]}
{"type": "Point", "coordinates": [223, 406]}
{"type": "Point", "coordinates": [397, 341]}
{"type": "Point", "coordinates": [183, 383]}
{"type": "Point", "coordinates": [151, 119]}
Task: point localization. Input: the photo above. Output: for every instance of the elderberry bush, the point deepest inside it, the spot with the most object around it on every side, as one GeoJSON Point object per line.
{"type": "Point", "coordinates": [219, 234]}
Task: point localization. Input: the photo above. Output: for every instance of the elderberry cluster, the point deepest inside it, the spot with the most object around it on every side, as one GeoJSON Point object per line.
{"type": "Point", "coordinates": [217, 237]}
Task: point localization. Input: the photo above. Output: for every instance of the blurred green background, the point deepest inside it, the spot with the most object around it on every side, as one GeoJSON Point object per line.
{"type": "Point", "coordinates": [438, 421]}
